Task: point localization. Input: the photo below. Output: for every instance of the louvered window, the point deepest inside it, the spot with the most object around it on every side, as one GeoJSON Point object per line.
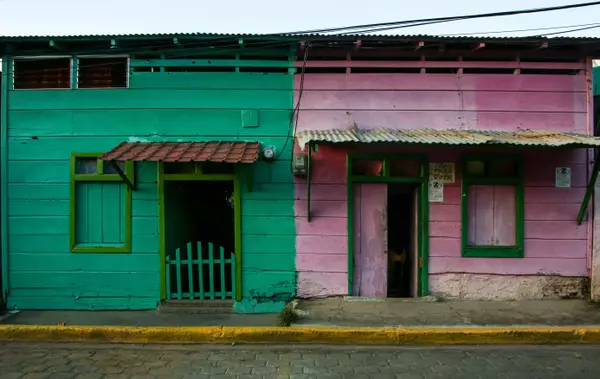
{"type": "Point", "coordinates": [41, 73]}
{"type": "Point", "coordinates": [102, 72]}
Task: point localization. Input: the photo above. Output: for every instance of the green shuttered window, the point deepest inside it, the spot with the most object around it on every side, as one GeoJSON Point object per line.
{"type": "Point", "coordinates": [100, 205]}
{"type": "Point", "coordinates": [492, 206]}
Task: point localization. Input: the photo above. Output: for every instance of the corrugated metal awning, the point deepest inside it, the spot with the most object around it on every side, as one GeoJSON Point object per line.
{"type": "Point", "coordinates": [533, 138]}
{"type": "Point", "coordinates": [213, 151]}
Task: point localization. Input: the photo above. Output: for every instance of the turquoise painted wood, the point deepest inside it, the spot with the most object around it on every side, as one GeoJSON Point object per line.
{"type": "Point", "coordinates": [100, 213]}
{"type": "Point", "coordinates": [45, 126]}
{"type": "Point", "coordinates": [193, 266]}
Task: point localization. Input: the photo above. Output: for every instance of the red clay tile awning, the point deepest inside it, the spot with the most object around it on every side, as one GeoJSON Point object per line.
{"type": "Point", "coordinates": [213, 151]}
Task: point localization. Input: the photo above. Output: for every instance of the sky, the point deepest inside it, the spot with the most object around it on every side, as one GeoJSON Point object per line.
{"type": "Point", "coordinates": [61, 17]}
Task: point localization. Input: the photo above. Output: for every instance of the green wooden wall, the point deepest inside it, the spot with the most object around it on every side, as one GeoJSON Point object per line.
{"type": "Point", "coordinates": [45, 126]}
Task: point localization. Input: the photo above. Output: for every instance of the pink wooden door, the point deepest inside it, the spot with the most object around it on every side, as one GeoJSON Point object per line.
{"type": "Point", "coordinates": [370, 240]}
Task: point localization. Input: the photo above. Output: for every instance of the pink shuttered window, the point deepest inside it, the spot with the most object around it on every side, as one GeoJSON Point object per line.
{"type": "Point", "coordinates": [492, 206]}
{"type": "Point", "coordinates": [492, 212]}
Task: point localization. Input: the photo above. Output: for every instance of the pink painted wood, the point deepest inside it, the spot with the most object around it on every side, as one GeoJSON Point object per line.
{"type": "Point", "coordinates": [554, 244]}
{"type": "Point", "coordinates": [482, 101]}
{"type": "Point", "coordinates": [370, 240]}
{"type": "Point", "coordinates": [446, 64]}
{"type": "Point", "coordinates": [443, 82]}
{"type": "Point", "coordinates": [491, 216]}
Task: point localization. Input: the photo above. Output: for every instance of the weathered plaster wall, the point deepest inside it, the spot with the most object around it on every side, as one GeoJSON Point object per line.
{"type": "Point", "coordinates": [508, 287]}
{"type": "Point", "coordinates": [45, 126]}
{"type": "Point", "coordinates": [554, 245]}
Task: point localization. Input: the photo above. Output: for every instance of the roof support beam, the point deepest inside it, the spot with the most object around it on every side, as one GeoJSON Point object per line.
{"type": "Point", "coordinates": [55, 44]}
{"type": "Point", "coordinates": [479, 46]}
{"type": "Point", "coordinates": [122, 175]}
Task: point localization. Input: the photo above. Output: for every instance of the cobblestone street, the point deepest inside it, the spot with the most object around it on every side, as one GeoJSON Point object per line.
{"type": "Point", "coordinates": [85, 361]}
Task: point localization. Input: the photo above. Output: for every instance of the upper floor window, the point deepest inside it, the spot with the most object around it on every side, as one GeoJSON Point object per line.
{"type": "Point", "coordinates": [102, 72]}
{"type": "Point", "coordinates": [57, 72]}
{"type": "Point", "coordinates": [42, 73]}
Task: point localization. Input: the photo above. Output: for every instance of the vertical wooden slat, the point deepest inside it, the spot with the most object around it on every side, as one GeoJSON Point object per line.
{"type": "Point", "coordinates": [168, 277]}
{"type": "Point", "coordinates": [222, 264]}
{"type": "Point", "coordinates": [211, 267]}
{"type": "Point", "coordinates": [233, 286]}
{"type": "Point", "coordinates": [200, 270]}
{"type": "Point", "coordinates": [190, 276]}
{"type": "Point", "coordinates": [178, 269]}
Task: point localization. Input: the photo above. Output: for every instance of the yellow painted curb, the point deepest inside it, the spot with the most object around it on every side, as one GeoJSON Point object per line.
{"type": "Point", "coordinates": [363, 336]}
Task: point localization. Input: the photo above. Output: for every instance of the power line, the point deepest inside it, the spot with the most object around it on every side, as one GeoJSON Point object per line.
{"type": "Point", "coordinates": [569, 31]}
{"type": "Point", "coordinates": [447, 19]}
{"type": "Point", "coordinates": [516, 30]}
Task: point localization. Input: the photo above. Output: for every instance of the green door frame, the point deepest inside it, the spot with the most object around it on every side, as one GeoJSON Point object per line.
{"type": "Point", "coordinates": [422, 209]}
{"type": "Point", "coordinates": [237, 211]}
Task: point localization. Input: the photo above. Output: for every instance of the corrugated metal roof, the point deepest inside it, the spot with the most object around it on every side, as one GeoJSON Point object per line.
{"type": "Point", "coordinates": [420, 37]}
{"type": "Point", "coordinates": [213, 151]}
{"type": "Point", "coordinates": [541, 138]}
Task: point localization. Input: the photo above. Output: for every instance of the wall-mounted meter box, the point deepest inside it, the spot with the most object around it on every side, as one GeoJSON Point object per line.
{"type": "Point", "coordinates": [299, 163]}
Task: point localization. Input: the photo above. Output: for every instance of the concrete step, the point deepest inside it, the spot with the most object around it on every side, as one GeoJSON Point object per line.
{"type": "Point", "coordinates": [197, 306]}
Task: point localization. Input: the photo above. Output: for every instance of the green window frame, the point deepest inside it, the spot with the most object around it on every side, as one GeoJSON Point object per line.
{"type": "Point", "coordinates": [102, 174]}
{"type": "Point", "coordinates": [491, 175]}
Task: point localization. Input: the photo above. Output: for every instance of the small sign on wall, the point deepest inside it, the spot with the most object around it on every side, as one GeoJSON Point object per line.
{"type": "Point", "coordinates": [563, 177]}
{"type": "Point", "coordinates": [441, 172]}
{"type": "Point", "coordinates": [436, 192]}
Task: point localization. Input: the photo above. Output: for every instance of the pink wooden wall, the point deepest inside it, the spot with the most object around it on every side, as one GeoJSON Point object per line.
{"type": "Point", "coordinates": [554, 243]}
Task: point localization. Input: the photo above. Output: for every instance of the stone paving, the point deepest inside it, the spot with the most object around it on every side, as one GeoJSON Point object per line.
{"type": "Point", "coordinates": [104, 361]}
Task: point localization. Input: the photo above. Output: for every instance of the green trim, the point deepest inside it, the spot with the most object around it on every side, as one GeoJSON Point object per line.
{"type": "Point", "coordinates": [383, 179]}
{"type": "Point", "coordinates": [162, 247]}
{"type": "Point", "coordinates": [492, 252]}
{"type": "Point", "coordinates": [237, 226]}
{"type": "Point", "coordinates": [517, 251]}
{"type": "Point", "coordinates": [590, 189]}
{"type": "Point", "coordinates": [237, 211]}
{"type": "Point", "coordinates": [350, 212]}
{"type": "Point", "coordinates": [200, 176]}
{"type": "Point", "coordinates": [74, 70]}
{"type": "Point", "coordinates": [423, 232]}
{"type": "Point", "coordinates": [208, 63]}
{"type": "Point", "coordinates": [308, 158]}
{"type": "Point", "coordinates": [100, 177]}
{"type": "Point", "coordinates": [6, 80]}
{"type": "Point", "coordinates": [422, 210]}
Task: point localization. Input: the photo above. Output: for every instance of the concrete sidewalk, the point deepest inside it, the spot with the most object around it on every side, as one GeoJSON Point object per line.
{"type": "Point", "coordinates": [333, 321]}
{"type": "Point", "coordinates": [348, 312]}
{"type": "Point", "coordinates": [362, 312]}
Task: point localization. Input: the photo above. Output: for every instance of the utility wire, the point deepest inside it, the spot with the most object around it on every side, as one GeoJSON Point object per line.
{"type": "Point", "coordinates": [568, 31]}
{"type": "Point", "coordinates": [368, 28]}
{"type": "Point", "coordinates": [447, 19]}
{"type": "Point", "coordinates": [516, 30]}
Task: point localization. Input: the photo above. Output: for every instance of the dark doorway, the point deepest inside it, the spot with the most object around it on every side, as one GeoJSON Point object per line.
{"type": "Point", "coordinates": [199, 223]}
{"type": "Point", "coordinates": [402, 252]}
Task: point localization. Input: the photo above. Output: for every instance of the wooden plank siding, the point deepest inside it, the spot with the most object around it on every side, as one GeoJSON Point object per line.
{"type": "Point", "coordinates": [45, 126]}
{"type": "Point", "coordinates": [554, 243]}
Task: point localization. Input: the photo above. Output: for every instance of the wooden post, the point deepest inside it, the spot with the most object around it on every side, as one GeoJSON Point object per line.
{"type": "Point", "coordinates": [178, 269]}
{"type": "Point", "coordinates": [211, 267]}
{"type": "Point", "coordinates": [222, 264]}
{"type": "Point", "coordinates": [200, 270]}
{"type": "Point", "coordinates": [189, 265]}
{"type": "Point", "coordinates": [168, 277]}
